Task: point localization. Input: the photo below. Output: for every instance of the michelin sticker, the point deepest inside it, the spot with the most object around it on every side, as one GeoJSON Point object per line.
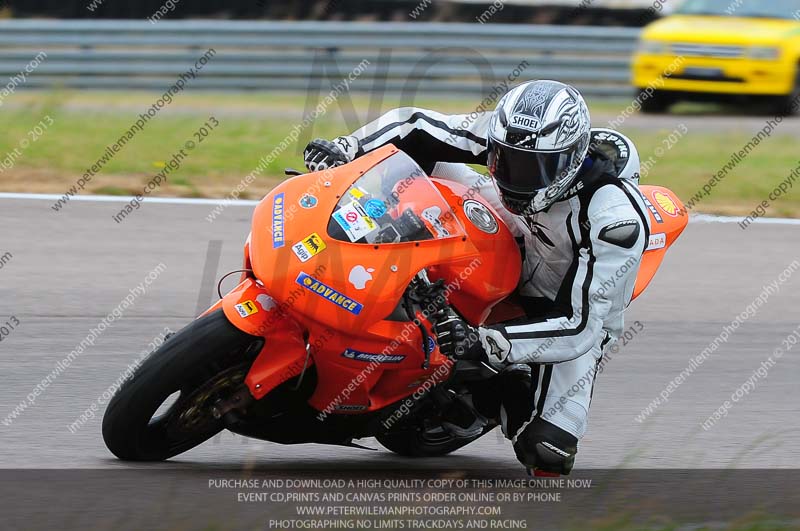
{"type": "Point", "coordinates": [355, 221]}
{"type": "Point", "coordinates": [372, 358]}
{"type": "Point", "coordinates": [350, 407]}
{"type": "Point", "coordinates": [309, 247]}
{"type": "Point", "coordinates": [326, 292]}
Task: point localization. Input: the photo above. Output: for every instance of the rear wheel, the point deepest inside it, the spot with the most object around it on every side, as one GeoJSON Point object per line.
{"type": "Point", "coordinates": [167, 406]}
{"type": "Point", "coordinates": [430, 442]}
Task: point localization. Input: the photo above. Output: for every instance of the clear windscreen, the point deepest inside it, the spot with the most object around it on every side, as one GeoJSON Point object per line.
{"type": "Point", "coordinates": [393, 202]}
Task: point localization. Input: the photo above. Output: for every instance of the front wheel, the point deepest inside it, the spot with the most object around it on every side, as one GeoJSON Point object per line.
{"type": "Point", "coordinates": [789, 105]}
{"type": "Point", "coordinates": [166, 407]}
{"type": "Point", "coordinates": [658, 102]}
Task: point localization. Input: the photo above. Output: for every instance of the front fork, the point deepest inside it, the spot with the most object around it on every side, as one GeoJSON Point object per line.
{"type": "Point", "coordinates": [284, 355]}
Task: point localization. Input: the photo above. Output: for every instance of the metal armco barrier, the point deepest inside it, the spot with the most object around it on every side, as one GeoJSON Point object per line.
{"type": "Point", "coordinates": [264, 55]}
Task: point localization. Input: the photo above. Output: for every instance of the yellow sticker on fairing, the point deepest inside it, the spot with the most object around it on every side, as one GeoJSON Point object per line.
{"type": "Point", "coordinates": [246, 308]}
{"type": "Point", "coordinates": [309, 247]}
{"type": "Point", "coordinates": [666, 203]}
{"type": "Point", "coordinates": [356, 193]}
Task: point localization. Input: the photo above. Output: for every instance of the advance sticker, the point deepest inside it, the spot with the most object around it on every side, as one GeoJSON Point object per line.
{"type": "Point", "coordinates": [355, 221]}
{"type": "Point", "coordinates": [323, 290]}
{"type": "Point", "coordinates": [278, 221]}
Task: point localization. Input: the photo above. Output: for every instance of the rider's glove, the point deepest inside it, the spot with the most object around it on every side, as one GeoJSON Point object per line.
{"type": "Point", "coordinates": [322, 154]}
{"type": "Point", "coordinates": [458, 339]}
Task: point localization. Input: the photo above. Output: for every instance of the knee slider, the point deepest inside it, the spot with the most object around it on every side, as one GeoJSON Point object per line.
{"type": "Point", "coordinates": [546, 447]}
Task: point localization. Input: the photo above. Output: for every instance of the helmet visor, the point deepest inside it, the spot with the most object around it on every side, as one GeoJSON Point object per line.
{"type": "Point", "coordinates": [527, 172]}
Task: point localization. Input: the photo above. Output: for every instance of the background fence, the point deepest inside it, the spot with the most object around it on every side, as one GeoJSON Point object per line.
{"type": "Point", "coordinates": [268, 55]}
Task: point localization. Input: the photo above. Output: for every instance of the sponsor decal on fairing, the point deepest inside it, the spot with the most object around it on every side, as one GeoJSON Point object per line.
{"type": "Point", "coordinates": [370, 357]}
{"type": "Point", "coordinates": [328, 293]}
{"type": "Point", "coordinates": [278, 233]}
{"type": "Point", "coordinates": [309, 247]}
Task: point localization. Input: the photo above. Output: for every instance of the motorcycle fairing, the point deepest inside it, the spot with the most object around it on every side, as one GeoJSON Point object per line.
{"type": "Point", "coordinates": [320, 273]}
{"type": "Point", "coordinates": [250, 308]}
{"type": "Point", "coordinates": [479, 284]}
{"type": "Point", "coordinates": [364, 360]}
{"type": "Point", "coordinates": [668, 219]}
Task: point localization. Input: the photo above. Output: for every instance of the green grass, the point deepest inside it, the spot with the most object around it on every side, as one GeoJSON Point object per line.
{"type": "Point", "coordinates": [691, 163]}
{"type": "Point", "coordinates": [77, 139]}
{"type": "Point", "coordinates": [84, 123]}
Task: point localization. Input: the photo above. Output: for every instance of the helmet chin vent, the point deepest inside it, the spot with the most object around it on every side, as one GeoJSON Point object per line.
{"type": "Point", "coordinates": [515, 202]}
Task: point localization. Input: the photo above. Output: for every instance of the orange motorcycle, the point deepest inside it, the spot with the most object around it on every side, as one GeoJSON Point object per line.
{"type": "Point", "coordinates": [328, 336]}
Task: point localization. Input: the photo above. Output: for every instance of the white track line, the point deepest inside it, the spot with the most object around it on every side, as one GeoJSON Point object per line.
{"type": "Point", "coordinates": [695, 218]}
{"type": "Point", "coordinates": [708, 218]}
{"type": "Point", "coordinates": [126, 199]}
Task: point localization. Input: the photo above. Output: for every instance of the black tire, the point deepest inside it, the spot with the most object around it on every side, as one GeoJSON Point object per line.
{"type": "Point", "coordinates": [205, 361]}
{"type": "Point", "coordinates": [430, 443]}
{"type": "Point", "coordinates": [789, 105]}
{"type": "Point", "coordinates": [656, 103]}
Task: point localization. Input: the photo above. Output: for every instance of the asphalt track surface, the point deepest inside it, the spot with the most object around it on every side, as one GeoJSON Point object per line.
{"type": "Point", "coordinates": [70, 268]}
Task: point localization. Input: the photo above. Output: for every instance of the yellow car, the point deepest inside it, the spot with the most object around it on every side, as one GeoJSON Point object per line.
{"type": "Point", "coordinates": [721, 50]}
